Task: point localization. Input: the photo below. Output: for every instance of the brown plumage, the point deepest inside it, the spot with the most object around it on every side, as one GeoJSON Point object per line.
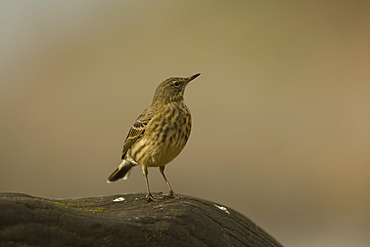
{"type": "Point", "coordinates": [159, 134]}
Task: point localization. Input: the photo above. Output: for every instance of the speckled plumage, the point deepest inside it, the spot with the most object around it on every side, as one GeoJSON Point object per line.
{"type": "Point", "coordinates": [159, 134]}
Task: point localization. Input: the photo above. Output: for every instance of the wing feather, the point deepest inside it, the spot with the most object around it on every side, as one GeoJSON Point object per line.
{"type": "Point", "coordinates": [137, 130]}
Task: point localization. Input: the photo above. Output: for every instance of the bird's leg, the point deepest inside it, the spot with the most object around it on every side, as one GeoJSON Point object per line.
{"type": "Point", "coordinates": [172, 194]}
{"type": "Point", "coordinates": [149, 196]}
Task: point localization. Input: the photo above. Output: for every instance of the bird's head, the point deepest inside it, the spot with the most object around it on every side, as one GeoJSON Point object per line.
{"type": "Point", "coordinates": [172, 89]}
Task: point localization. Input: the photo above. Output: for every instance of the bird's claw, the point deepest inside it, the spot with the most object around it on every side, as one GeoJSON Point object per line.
{"type": "Point", "coordinates": [150, 197]}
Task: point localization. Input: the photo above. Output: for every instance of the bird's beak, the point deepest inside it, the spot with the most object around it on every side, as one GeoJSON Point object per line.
{"type": "Point", "coordinates": [192, 77]}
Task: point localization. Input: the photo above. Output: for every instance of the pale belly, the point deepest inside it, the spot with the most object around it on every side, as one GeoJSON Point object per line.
{"type": "Point", "coordinates": [151, 153]}
{"type": "Point", "coordinates": [161, 143]}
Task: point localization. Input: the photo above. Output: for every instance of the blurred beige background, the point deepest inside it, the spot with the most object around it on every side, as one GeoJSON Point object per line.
{"type": "Point", "coordinates": [281, 112]}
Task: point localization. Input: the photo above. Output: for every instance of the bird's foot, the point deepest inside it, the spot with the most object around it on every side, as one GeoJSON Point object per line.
{"type": "Point", "coordinates": [150, 197]}
{"type": "Point", "coordinates": [169, 195]}
{"type": "Point", "coordinates": [172, 195]}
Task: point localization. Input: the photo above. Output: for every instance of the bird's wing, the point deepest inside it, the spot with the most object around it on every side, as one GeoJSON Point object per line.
{"type": "Point", "coordinates": [137, 129]}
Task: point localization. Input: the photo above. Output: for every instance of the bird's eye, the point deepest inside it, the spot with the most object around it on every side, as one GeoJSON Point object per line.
{"type": "Point", "coordinates": [176, 84]}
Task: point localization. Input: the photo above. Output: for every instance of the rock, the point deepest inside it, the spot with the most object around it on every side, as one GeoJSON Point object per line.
{"type": "Point", "coordinates": [124, 220]}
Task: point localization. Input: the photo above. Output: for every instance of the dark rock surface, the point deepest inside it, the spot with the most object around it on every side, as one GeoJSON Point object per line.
{"type": "Point", "coordinates": [124, 220]}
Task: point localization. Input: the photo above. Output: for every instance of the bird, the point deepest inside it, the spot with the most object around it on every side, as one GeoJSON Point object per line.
{"type": "Point", "coordinates": [159, 134]}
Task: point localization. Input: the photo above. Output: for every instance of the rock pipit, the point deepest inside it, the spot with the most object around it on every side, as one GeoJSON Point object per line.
{"type": "Point", "coordinates": [159, 134]}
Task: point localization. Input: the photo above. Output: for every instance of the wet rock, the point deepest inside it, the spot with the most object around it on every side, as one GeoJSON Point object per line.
{"type": "Point", "coordinates": [124, 220]}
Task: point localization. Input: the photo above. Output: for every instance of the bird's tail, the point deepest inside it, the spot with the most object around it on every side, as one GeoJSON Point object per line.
{"type": "Point", "coordinates": [122, 172]}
